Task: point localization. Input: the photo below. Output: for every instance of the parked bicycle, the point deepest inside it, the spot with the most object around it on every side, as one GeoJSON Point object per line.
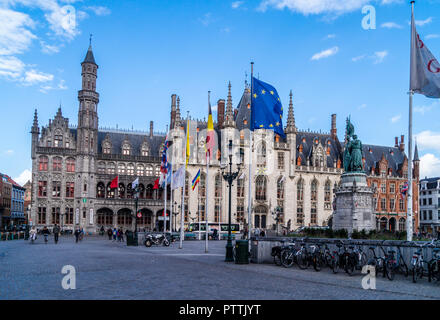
{"type": "Point", "coordinates": [434, 265]}
{"type": "Point", "coordinates": [419, 266]}
{"type": "Point", "coordinates": [394, 263]}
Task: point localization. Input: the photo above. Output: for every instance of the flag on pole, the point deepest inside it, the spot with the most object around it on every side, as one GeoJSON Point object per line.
{"type": "Point", "coordinates": [188, 150]}
{"type": "Point", "coordinates": [115, 182]}
{"type": "Point", "coordinates": [425, 68]}
{"type": "Point", "coordinates": [164, 162]}
{"type": "Point", "coordinates": [156, 184]}
{"type": "Point", "coordinates": [179, 178]}
{"type": "Point", "coordinates": [196, 180]}
{"type": "Point", "coordinates": [404, 190]}
{"type": "Point", "coordinates": [267, 111]}
{"type": "Point", "coordinates": [209, 133]}
{"type": "Point", "coordinates": [135, 183]}
{"type": "Point", "coordinates": [165, 176]}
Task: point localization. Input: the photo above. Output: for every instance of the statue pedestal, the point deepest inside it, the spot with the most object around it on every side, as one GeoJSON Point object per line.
{"type": "Point", "coordinates": [354, 204]}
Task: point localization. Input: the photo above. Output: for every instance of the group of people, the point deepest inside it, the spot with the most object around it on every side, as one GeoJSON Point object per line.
{"type": "Point", "coordinates": [56, 230]}
{"type": "Point", "coordinates": [115, 234]}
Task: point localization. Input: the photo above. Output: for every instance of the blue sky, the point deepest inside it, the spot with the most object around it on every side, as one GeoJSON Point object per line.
{"type": "Point", "coordinates": [148, 50]}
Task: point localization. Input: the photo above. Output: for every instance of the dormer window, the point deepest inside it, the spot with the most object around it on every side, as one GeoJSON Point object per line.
{"type": "Point", "coordinates": [126, 150]}
{"type": "Point", "coordinates": [107, 148]}
{"type": "Point", "coordinates": [58, 141]}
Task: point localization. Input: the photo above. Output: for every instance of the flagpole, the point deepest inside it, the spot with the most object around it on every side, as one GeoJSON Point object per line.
{"type": "Point", "coordinates": [171, 201]}
{"type": "Point", "coordinates": [206, 202]}
{"type": "Point", "coordinates": [250, 160]}
{"type": "Point", "coordinates": [182, 234]}
{"type": "Point", "coordinates": [409, 215]}
{"type": "Point", "coordinates": [165, 207]}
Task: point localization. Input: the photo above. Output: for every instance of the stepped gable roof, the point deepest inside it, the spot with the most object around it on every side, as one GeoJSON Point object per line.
{"type": "Point", "coordinates": [306, 139]}
{"type": "Point", "coordinates": [135, 139]}
{"type": "Point", "coordinates": [373, 155]}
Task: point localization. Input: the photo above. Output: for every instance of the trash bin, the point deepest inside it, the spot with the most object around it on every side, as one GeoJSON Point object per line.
{"type": "Point", "coordinates": [131, 241]}
{"type": "Point", "coordinates": [242, 252]}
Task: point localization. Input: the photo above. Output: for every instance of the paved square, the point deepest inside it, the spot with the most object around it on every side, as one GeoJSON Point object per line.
{"type": "Point", "coordinates": [111, 270]}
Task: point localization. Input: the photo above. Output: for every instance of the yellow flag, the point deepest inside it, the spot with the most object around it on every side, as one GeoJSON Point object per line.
{"type": "Point", "coordinates": [187, 143]}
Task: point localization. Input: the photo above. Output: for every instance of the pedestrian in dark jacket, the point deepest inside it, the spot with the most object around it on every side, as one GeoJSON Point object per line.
{"type": "Point", "coordinates": [56, 232]}
{"type": "Point", "coordinates": [109, 233]}
{"type": "Point", "coordinates": [77, 234]}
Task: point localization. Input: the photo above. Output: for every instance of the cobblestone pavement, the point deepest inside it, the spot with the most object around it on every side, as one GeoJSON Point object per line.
{"type": "Point", "coordinates": [111, 270]}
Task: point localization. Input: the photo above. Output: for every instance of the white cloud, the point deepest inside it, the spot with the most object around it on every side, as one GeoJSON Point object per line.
{"type": "Point", "coordinates": [429, 166]}
{"type": "Point", "coordinates": [11, 67]}
{"type": "Point", "coordinates": [307, 7]}
{"type": "Point", "coordinates": [206, 19]}
{"type": "Point", "coordinates": [15, 36]}
{"type": "Point", "coordinates": [379, 56]}
{"type": "Point", "coordinates": [362, 106]}
{"type": "Point", "coordinates": [236, 4]}
{"type": "Point", "coordinates": [24, 177]}
{"type": "Point", "coordinates": [325, 53]}
{"type": "Point", "coordinates": [391, 25]}
{"type": "Point", "coordinates": [49, 49]}
{"type": "Point", "coordinates": [428, 140]}
{"type": "Point", "coordinates": [100, 10]}
{"type": "Point", "coordinates": [355, 59]}
{"type": "Point", "coordinates": [432, 36]}
{"type": "Point", "coordinates": [421, 23]}
{"type": "Point", "coordinates": [330, 36]}
{"type": "Point", "coordinates": [9, 152]}
{"type": "Point", "coordinates": [34, 76]}
{"type": "Point", "coordinates": [396, 118]}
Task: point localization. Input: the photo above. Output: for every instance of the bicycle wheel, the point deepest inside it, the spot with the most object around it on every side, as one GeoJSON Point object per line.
{"type": "Point", "coordinates": [302, 260]}
{"type": "Point", "coordinates": [286, 258]}
{"type": "Point", "coordinates": [414, 274]}
{"type": "Point", "coordinates": [335, 264]}
{"type": "Point", "coordinates": [317, 263]}
{"type": "Point", "coordinates": [349, 265]}
{"type": "Point", "coordinates": [277, 259]}
{"type": "Point", "coordinates": [389, 270]}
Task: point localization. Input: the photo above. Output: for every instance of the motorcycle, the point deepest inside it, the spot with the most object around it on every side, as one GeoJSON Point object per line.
{"type": "Point", "coordinates": [156, 239]}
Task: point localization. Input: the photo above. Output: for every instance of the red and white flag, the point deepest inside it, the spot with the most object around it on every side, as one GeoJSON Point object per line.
{"type": "Point", "coordinates": [425, 68]}
{"type": "Point", "coordinates": [115, 182]}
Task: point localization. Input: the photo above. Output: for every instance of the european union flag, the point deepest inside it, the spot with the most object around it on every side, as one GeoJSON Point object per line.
{"type": "Point", "coordinates": [267, 111]}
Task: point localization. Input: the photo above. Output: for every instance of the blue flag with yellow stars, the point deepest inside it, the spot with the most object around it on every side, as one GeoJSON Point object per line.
{"type": "Point", "coordinates": [267, 111]}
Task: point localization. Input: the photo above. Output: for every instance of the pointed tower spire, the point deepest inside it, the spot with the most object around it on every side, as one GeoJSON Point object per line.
{"type": "Point", "coordinates": [89, 56]}
{"type": "Point", "coordinates": [416, 153]}
{"type": "Point", "coordinates": [290, 128]}
{"type": "Point", "coordinates": [177, 122]}
{"type": "Point", "coordinates": [35, 127]}
{"type": "Point", "coordinates": [229, 118]}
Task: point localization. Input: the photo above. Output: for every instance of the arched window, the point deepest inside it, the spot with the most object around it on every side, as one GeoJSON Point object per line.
{"type": "Point", "coordinates": [261, 154]}
{"type": "Point", "coordinates": [280, 188]}
{"type": "Point", "coordinates": [130, 169]}
{"type": "Point", "coordinates": [218, 198]}
{"type": "Point", "coordinates": [300, 202]}
{"type": "Point", "coordinates": [202, 185]}
{"type": "Point", "coordinates": [314, 201]}
{"type": "Point", "coordinates": [70, 165]}
{"type": "Point", "coordinates": [260, 217]}
{"type": "Point", "coordinates": [107, 148]}
{"type": "Point", "coordinates": [149, 171]}
{"type": "Point", "coordinates": [111, 168]}
{"type": "Point", "coordinates": [121, 190]}
{"type": "Point", "coordinates": [145, 151]}
{"type": "Point", "coordinates": [141, 191]}
{"type": "Point", "coordinates": [140, 170]}
{"type": "Point", "coordinates": [121, 169]}
{"type": "Point", "coordinates": [110, 191]}
{"type": "Point", "coordinates": [101, 167]}
{"type": "Point", "coordinates": [57, 164]}
{"type": "Point", "coordinates": [327, 195]}
{"type": "Point", "coordinates": [240, 188]}
{"type": "Point", "coordinates": [402, 224]}
{"type": "Point", "coordinates": [43, 163]}
{"type": "Point", "coordinates": [260, 188]}
{"type": "Point", "coordinates": [218, 186]}
{"type": "Point", "coordinates": [100, 190]}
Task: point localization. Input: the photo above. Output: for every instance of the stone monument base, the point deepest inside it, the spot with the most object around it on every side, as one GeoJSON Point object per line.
{"type": "Point", "coordinates": [354, 204]}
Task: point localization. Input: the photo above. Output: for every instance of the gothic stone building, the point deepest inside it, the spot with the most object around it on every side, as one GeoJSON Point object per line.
{"type": "Point", "coordinates": [73, 167]}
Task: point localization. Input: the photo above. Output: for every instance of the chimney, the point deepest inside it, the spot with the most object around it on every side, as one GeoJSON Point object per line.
{"type": "Point", "coordinates": [151, 129]}
{"type": "Point", "coordinates": [333, 131]}
{"type": "Point", "coordinates": [220, 112]}
{"type": "Point", "coordinates": [402, 143]}
{"type": "Point", "coordinates": [173, 110]}
{"type": "Point", "coordinates": [396, 144]}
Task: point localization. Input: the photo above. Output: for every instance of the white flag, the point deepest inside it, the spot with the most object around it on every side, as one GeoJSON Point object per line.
{"type": "Point", "coordinates": [425, 69]}
{"type": "Point", "coordinates": [135, 183]}
{"type": "Point", "coordinates": [179, 178]}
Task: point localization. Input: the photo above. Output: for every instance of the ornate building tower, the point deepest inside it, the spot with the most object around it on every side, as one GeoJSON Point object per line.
{"type": "Point", "coordinates": [87, 143]}
{"type": "Point", "coordinates": [291, 136]}
{"type": "Point", "coordinates": [35, 131]}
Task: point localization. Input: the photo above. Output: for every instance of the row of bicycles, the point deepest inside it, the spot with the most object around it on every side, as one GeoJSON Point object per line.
{"type": "Point", "coordinates": [349, 257]}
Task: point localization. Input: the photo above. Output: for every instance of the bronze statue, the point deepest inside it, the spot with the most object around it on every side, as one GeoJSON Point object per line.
{"type": "Point", "coordinates": [353, 150]}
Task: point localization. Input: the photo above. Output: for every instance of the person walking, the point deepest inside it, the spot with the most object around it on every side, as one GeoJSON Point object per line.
{"type": "Point", "coordinates": [45, 233]}
{"type": "Point", "coordinates": [115, 234]}
{"type": "Point", "coordinates": [102, 230]}
{"type": "Point", "coordinates": [109, 233]}
{"type": "Point", "coordinates": [77, 233]}
{"type": "Point", "coordinates": [56, 233]}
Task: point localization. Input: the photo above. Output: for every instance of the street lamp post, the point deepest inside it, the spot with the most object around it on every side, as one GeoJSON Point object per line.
{"type": "Point", "coordinates": [230, 177]}
{"type": "Point", "coordinates": [136, 200]}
